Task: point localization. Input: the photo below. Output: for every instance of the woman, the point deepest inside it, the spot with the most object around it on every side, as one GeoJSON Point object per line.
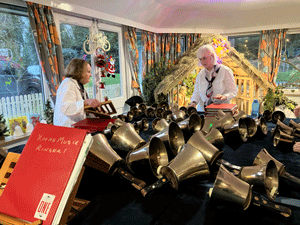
{"type": "Point", "coordinates": [214, 83]}
{"type": "Point", "coordinates": [71, 96]}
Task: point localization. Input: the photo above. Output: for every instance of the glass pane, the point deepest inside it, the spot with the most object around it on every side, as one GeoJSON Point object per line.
{"type": "Point", "coordinates": [288, 74]}
{"type": "Point", "coordinates": [72, 39]}
{"type": "Point", "coordinates": [112, 83]}
{"type": "Point", "coordinates": [20, 73]}
{"type": "Point", "coordinates": [248, 45]}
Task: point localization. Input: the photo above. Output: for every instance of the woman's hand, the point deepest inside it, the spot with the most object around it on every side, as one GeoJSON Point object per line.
{"type": "Point", "coordinates": [220, 97]}
{"type": "Point", "coordinates": [92, 102]}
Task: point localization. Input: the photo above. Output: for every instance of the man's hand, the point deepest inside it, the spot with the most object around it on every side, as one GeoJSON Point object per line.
{"type": "Point", "coordinates": [220, 97]}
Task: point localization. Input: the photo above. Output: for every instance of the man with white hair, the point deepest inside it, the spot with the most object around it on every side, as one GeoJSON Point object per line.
{"type": "Point", "coordinates": [214, 83]}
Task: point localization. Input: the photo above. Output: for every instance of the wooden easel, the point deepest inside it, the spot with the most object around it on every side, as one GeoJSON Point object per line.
{"type": "Point", "coordinates": [5, 171]}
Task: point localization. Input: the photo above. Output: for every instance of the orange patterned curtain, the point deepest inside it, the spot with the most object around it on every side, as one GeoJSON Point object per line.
{"type": "Point", "coordinates": [271, 42]}
{"type": "Point", "coordinates": [132, 54]}
{"type": "Point", "coordinates": [47, 44]}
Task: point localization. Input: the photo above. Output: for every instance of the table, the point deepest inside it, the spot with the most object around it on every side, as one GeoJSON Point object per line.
{"type": "Point", "coordinates": [115, 201]}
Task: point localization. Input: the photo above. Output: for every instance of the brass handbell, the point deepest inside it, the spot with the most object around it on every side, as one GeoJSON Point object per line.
{"type": "Point", "coordinates": [251, 126]}
{"type": "Point", "coordinates": [143, 124]}
{"type": "Point", "coordinates": [262, 176]}
{"type": "Point", "coordinates": [209, 151]}
{"type": "Point", "coordinates": [280, 137]}
{"type": "Point", "coordinates": [191, 110]}
{"type": "Point", "coordinates": [278, 114]}
{"type": "Point", "coordinates": [187, 164]}
{"type": "Point", "coordinates": [230, 188]}
{"type": "Point", "coordinates": [263, 157]}
{"type": "Point", "coordinates": [178, 115]}
{"type": "Point", "coordinates": [126, 138]}
{"type": "Point", "coordinates": [159, 124]}
{"type": "Point", "coordinates": [262, 127]}
{"type": "Point", "coordinates": [172, 137]}
{"type": "Point", "coordinates": [216, 138]}
{"type": "Point", "coordinates": [191, 125]}
{"type": "Point", "coordinates": [146, 160]}
{"type": "Point", "coordinates": [267, 114]}
{"type": "Point", "coordinates": [240, 114]}
{"type": "Point", "coordinates": [102, 157]}
{"type": "Point", "coordinates": [163, 105]}
{"type": "Point", "coordinates": [159, 112]}
{"type": "Point", "coordinates": [150, 112]}
{"type": "Point", "coordinates": [237, 129]}
{"type": "Point", "coordinates": [109, 130]}
{"type": "Point", "coordinates": [296, 128]}
{"type": "Point", "coordinates": [167, 115]}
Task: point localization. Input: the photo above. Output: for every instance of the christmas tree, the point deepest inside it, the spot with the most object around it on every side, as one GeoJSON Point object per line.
{"type": "Point", "coordinates": [48, 112]}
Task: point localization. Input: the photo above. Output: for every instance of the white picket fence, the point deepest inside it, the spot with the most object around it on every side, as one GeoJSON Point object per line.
{"type": "Point", "coordinates": [22, 105]}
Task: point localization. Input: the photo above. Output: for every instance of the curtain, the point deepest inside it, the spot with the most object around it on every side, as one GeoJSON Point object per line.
{"type": "Point", "coordinates": [47, 44]}
{"type": "Point", "coordinates": [132, 56]}
{"type": "Point", "coordinates": [271, 42]}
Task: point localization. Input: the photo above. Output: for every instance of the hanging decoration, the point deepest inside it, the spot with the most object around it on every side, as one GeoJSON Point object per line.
{"type": "Point", "coordinates": [221, 47]}
{"type": "Point", "coordinates": [97, 39]}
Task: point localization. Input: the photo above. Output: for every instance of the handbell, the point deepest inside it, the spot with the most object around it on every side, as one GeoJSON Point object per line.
{"type": "Point", "coordinates": [102, 157]}
{"type": "Point", "coordinates": [240, 114]}
{"type": "Point", "coordinates": [191, 110]}
{"type": "Point", "coordinates": [109, 130]}
{"type": "Point", "coordinates": [125, 138]}
{"type": "Point", "coordinates": [296, 128]}
{"type": "Point", "coordinates": [142, 107]}
{"type": "Point", "coordinates": [173, 139]}
{"type": "Point", "coordinates": [284, 128]}
{"type": "Point", "coordinates": [163, 105]}
{"type": "Point", "coordinates": [146, 160]}
{"type": "Point", "coordinates": [267, 114]}
{"type": "Point", "coordinates": [251, 126]}
{"type": "Point", "coordinates": [191, 125]}
{"type": "Point", "coordinates": [263, 157]}
{"type": "Point", "coordinates": [183, 108]}
{"type": "Point", "coordinates": [264, 176]}
{"type": "Point", "coordinates": [167, 115]}
{"type": "Point", "coordinates": [209, 151]}
{"type": "Point", "coordinates": [237, 130]}
{"type": "Point", "coordinates": [159, 112]}
{"type": "Point", "coordinates": [178, 115]}
{"type": "Point", "coordinates": [159, 124]}
{"type": "Point", "coordinates": [187, 164]}
{"type": "Point", "coordinates": [143, 124]}
{"type": "Point", "coordinates": [118, 122]}
{"type": "Point", "coordinates": [262, 127]}
{"type": "Point", "coordinates": [150, 112]}
{"type": "Point", "coordinates": [216, 138]}
{"type": "Point", "coordinates": [278, 114]}
{"type": "Point", "coordinates": [229, 188]}
{"type": "Point", "coordinates": [280, 137]}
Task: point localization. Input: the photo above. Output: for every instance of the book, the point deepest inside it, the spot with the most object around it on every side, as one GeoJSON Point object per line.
{"type": "Point", "coordinates": [45, 174]}
{"type": "Point", "coordinates": [225, 107]}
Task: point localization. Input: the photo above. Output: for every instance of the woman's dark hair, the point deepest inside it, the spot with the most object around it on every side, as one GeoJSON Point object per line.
{"type": "Point", "coordinates": [75, 69]}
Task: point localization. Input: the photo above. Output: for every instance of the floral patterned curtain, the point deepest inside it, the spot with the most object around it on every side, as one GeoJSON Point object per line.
{"type": "Point", "coordinates": [166, 46]}
{"type": "Point", "coordinates": [271, 42]}
{"type": "Point", "coordinates": [132, 54]}
{"type": "Point", "coordinates": [47, 44]}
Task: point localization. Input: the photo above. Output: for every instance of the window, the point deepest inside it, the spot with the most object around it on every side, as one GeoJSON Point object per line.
{"type": "Point", "coordinates": [72, 38]}
{"type": "Point", "coordinates": [74, 31]}
{"type": "Point", "coordinates": [21, 83]}
{"type": "Point", "coordinates": [20, 72]}
{"type": "Point", "coordinates": [248, 45]}
{"type": "Point", "coordinates": [288, 74]}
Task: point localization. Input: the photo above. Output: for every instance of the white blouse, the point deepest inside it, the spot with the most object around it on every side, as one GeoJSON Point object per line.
{"type": "Point", "coordinates": [223, 84]}
{"type": "Point", "coordinates": [69, 106]}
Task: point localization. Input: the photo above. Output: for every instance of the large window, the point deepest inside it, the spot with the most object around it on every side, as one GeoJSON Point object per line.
{"type": "Point", "coordinates": [21, 84]}
{"type": "Point", "coordinates": [72, 38]}
{"type": "Point", "coordinates": [288, 74]}
{"type": "Point", "coordinates": [248, 45]}
{"type": "Point", "coordinates": [20, 73]}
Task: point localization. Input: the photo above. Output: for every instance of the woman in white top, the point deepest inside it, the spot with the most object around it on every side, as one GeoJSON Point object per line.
{"type": "Point", "coordinates": [214, 83]}
{"type": "Point", "coordinates": [71, 96]}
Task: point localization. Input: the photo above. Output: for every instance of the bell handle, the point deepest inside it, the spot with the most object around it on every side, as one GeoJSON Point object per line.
{"type": "Point", "coordinates": [138, 184]}
{"type": "Point", "coordinates": [291, 177]}
{"type": "Point", "coordinates": [159, 183]}
{"type": "Point", "coordinates": [268, 205]}
{"type": "Point", "coordinates": [235, 169]}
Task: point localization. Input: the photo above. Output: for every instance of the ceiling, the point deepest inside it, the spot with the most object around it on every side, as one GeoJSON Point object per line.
{"type": "Point", "coordinates": [202, 16]}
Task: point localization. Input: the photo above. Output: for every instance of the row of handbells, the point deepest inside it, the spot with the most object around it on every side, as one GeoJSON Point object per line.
{"type": "Point", "coordinates": [190, 147]}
